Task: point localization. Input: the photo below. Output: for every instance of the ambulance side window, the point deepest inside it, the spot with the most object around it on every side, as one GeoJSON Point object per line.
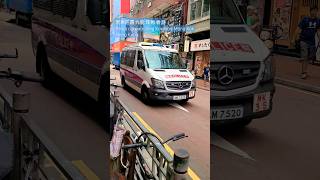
{"type": "Point", "coordinates": [140, 56]}
{"type": "Point", "coordinates": [131, 58]}
{"type": "Point", "coordinates": [140, 61]}
{"type": "Point", "coordinates": [124, 57]}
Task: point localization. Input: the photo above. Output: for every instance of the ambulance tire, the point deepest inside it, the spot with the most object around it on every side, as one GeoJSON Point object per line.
{"type": "Point", "coordinates": [123, 82]}
{"type": "Point", "coordinates": [145, 95]}
{"type": "Point", "coordinates": [184, 101]}
{"type": "Point", "coordinates": [45, 70]}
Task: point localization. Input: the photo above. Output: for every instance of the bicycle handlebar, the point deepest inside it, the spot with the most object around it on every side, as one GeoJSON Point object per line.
{"type": "Point", "coordinates": [141, 144]}
{"type": "Point", "coordinates": [176, 137]}
{"type": "Point", "coordinates": [115, 85]}
{"type": "Point", "coordinates": [19, 76]}
{"type": "Point", "coordinates": [130, 146]}
{"type": "Point", "coordinates": [24, 77]}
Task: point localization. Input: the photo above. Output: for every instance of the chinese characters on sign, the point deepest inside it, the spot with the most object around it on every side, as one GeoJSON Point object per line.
{"type": "Point", "coordinates": [200, 45]}
{"type": "Point", "coordinates": [121, 26]}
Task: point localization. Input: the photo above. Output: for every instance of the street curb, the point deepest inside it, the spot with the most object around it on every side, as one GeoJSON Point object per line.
{"type": "Point", "coordinates": [300, 86]}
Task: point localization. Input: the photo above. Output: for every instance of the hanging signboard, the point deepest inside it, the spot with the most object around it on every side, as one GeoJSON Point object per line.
{"type": "Point", "coordinates": [201, 45]}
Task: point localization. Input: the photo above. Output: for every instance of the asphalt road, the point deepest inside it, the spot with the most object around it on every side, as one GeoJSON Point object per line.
{"type": "Point", "coordinates": [284, 145]}
{"type": "Point", "coordinates": [168, 119]}
{"type": "Point", "coordinates": [67, 116]}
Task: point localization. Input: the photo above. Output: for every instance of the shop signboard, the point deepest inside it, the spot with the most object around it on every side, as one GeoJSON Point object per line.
{"type": "Point", "coordinates": [186, 45]}
{"type": "Point", "coordinates": [201, 45]}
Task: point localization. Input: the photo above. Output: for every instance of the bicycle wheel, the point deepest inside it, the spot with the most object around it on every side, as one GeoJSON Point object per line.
{"type": "Point", "coordinates": [127, 158]}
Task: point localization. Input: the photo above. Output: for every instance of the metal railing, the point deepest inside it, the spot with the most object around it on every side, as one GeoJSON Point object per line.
{"type": "Point", "coordinates": [153, 156]}
{"type": "Point", "coordinates": [35, 155]}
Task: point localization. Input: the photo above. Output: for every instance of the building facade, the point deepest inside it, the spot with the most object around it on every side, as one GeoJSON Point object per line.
{"type": "Point", "coordinates": [193, 46]}
{"type": "Point", "coordinates": [199, 51]}
{"type": "Point", "coordinates": [284, 13]}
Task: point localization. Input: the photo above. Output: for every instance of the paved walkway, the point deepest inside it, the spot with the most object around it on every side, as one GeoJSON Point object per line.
{"type": "Point", "coordinates": [5, 15]}
{"type": "Point", "coordinates": [202, 84]}
{"type": "Point", "coordinates": [288, 71]}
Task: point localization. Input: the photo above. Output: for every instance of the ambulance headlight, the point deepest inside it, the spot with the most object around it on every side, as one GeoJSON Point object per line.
{"type": "Point", "coordinates": [158, 84]}
{"type": "Point", "coordinates": [193, 83]}
{"type": "Point", "coordinates": [269, 69]}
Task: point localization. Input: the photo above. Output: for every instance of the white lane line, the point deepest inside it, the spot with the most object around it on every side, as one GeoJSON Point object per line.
{"type": "Point", "coordinates": [176, 105]}
{"type": "Point", "coordinates": [299, 90]}
{"type": "Point", "coordinates": [218, 141]}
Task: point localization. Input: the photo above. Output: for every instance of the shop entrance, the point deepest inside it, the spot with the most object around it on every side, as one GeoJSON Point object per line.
{"type": "Point", "coordinates": [202, 60]}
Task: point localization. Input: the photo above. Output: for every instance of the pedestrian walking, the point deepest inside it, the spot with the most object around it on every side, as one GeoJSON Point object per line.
{"type": "Point", "coordinates": [307, 30]}
{"type": "Point", "coordinates": [206, 73]}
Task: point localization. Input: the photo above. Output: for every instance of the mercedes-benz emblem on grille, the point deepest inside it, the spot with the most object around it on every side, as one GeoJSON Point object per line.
{"type": "Point", "coordinates": [181, 85]}
{"type": "Point", "coordinates": [225, 75]}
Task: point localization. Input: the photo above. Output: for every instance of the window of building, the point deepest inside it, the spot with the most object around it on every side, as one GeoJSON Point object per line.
{"type": "Point", "coordinates": [206, 8]}
{"type": "Point", "coordinates": [199, 9]}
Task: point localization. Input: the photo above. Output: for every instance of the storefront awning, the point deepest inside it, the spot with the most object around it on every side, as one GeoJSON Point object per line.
{"type": "Point", "coordinates": [118, 46]}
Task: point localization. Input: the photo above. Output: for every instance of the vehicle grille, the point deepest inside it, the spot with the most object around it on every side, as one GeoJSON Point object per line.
{"type": "Point", "coordinates": [245, 74]}
{"type": "Point", "coordinates": [178, 85]}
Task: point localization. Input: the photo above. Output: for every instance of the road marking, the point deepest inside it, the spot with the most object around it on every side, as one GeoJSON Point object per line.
{"type": "Point", "coordinates": [85, 170]}
{"type": "Point", "coordinates": [191, 173]}
{"type": "Point", "coordinates": [299, 90]}
{"type": "Point", "coordinates": [176, 105]}
{"type": "Point", "coordinates": [220, 142]}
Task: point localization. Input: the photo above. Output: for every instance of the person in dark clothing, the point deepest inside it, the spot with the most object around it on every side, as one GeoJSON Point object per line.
{"type": "Point", "coordinates": [206, 71]}
{"type": "Point", "coordinates": [308, 27]}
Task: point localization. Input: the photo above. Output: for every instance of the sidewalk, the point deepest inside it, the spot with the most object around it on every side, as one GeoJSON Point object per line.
{"type": "Point", "coordinates": [6, 16]}
{"type": "Point", "coordinates": [202, 84]}
{"type": "Point", "coordinates": [288, 71]}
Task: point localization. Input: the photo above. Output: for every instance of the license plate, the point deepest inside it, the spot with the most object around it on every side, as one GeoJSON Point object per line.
{"type": "Point", "coordinates": [261, 102]}
{"type": "Point", "coordinates": [227, 113]}
{"type": "Point", "coordinates": [191, 93]}
{"type": "Point", "coordinates": [181, 97]}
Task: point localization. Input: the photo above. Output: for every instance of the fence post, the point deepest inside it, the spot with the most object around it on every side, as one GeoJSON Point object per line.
{"type": "Point", "coordinates": [20, 105]}
{"type": "Point", "coordinates": [180, 164]}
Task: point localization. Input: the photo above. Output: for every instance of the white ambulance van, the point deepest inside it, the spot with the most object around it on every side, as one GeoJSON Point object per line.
{"type": "Point", "coordinates": [157, 72]}
{"type": "Point", "coordinates": [242, 69]}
